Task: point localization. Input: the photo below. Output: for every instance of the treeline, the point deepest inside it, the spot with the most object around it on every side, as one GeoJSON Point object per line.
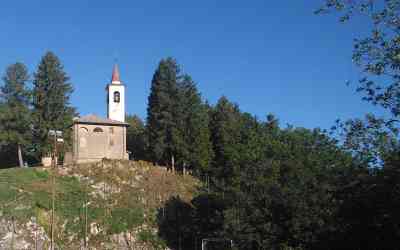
{"type": "Point", "coordinates": [30, 106]}
{"type": "Point", "coordinates": [264, 186]}
{"type": "Point", "coordinates": [268, 187]}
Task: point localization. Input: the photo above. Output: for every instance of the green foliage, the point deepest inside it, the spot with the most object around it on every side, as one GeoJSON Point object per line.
{"type": "Point", "coordinates": [225, 135]}
{"type": "Point", "coordinates": [136, 137]}
{"type": "Point", "coordinates": [373, 193]}
{"type": "Point", "coordinates": [51, 106]}
{"type": "Point", "coordinates": [285, 197]}
{"type": "Point", "coordinates": [194, 151]}
{"type": "Point", "coordinates": [268, 188]}
{"type": "Point", "coordinates": [15, 192]}
{"type": "Point", "coordinates": [177, 121]}
{"type": "Point", "coordinates": [122, 219]}
{"type": "Point", "coordinates": [368, 193]}
{"type": "Point", "coordinates": [116, 196]}
{"type": "Point", "coordinates": [151, 238]}
{"type": "Point", "coordinates": [175, 224]}
{"type": "Point", "coordinates": [161, 111]}
{"type": "Point", "coordinates": [265, 187]}
{"type": "Point", "coordinates": [377, 56]}
{"type": "Point", "coordinates": [5, 152]}
{"type": "Point", "coordinates": [15, 115]}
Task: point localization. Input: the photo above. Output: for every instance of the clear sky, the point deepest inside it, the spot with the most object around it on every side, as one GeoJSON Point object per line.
{"type": "Point", "coordinates": [267, 56]}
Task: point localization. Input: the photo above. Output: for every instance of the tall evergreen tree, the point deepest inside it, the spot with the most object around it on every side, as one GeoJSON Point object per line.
{"type": "Point", "coordinates": [225, 134]}
{"type": "Point", "coordinates": [51, 101]}
{"type": "Point", "coordinates": [161, 111]}
{"type": "Point", "coordinates": [193, 123]}
{"type": "Point", "coordinates": [15, 116]}
{"type": "Point", "coordinates": [177, 122]}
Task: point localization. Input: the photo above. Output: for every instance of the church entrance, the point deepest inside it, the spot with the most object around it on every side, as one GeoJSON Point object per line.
{"type": "Point", "coordinates": [98, 142]}
{"type": "Point", "coordinates": [83, 142]}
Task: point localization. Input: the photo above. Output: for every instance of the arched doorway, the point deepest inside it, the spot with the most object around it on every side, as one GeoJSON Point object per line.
{"type": "Point", "coordinates": [83, 142]}
{"type": "Point", "coordinates": [98, 142]}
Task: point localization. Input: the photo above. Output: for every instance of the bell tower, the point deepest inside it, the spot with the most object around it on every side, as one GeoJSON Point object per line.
{"type": "Point", "coordinates": [116, 97]}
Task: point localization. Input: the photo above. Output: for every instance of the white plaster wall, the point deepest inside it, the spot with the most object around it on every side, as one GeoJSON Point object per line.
{"type": "Point", "coordinates": [116, 111]}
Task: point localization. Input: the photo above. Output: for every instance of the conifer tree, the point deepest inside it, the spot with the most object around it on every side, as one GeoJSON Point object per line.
{"type": "Point", "coordinates": [196, 147]}
{"type": "Point", "coordinates": [15, 116]}
{"type": "Point", "coordinates": [225, 134]}
{"type": "Point", "coordinates": [51, 94]}
{"type": "Point", "coordinates": [161, 111]}
{"type": "Point", "coordinates": [177, 122]}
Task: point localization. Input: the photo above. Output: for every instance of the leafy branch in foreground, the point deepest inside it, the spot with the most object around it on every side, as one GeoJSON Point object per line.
{"type": "Point", "coordinates": [378, 58]}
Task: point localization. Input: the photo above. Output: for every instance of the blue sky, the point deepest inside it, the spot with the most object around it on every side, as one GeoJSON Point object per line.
{"type": "Point", "coordinates": [267, 56]}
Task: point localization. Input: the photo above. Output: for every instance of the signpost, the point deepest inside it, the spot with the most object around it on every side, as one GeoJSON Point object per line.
{"type": "Point", "coordinates": [57, 138]}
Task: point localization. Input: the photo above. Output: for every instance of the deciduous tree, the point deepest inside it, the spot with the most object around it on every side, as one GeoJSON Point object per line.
{"type": "Point", "coordinates": [377, 55]}
{"type": "Point", "coordinates": [135, 137]}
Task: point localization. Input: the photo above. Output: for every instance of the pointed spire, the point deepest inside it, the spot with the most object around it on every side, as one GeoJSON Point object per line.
{"type": "Point", "coordinates": [115, 75]}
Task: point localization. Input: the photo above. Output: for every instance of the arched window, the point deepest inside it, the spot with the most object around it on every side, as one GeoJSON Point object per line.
{"type": "Point", "coordinates": [97, 130]}
{"type": "Point", "coordinates": [116, 96]}
{"type": "Point", "coordinates": [84, 130]}
{"type": "Point", "coordinates": [83, 137]}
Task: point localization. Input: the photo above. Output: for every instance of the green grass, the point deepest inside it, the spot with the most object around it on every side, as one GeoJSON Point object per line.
{"type": "Point", "coordinates": [16, 194]}
{"type": "Point", "coordinates": [27, 192]}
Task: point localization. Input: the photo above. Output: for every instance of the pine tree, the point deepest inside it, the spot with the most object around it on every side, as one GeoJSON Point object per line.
{"type": "Point", "coordinates": [225, 134]}
{"type": "Point", "coordinates": [196, 149]}
{"type": "Point", "coordinates": [177, 122]}
{"type": "Point", "coordinates": [51, 94]}
{"type": "Point", "coordinates": [15, 116]}
{"type": "Point", "coordinates": [161, 110]}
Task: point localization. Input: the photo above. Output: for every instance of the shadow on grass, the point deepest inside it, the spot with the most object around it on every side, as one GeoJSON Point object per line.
{"type": "Point", "coordinates": [183, 225]}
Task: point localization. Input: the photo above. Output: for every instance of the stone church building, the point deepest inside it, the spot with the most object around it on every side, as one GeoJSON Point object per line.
{"type": "Point", "coordinates": [94, 137]}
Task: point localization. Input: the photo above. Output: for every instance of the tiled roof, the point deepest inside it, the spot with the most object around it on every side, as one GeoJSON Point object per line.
{"type": "Point", "coordinates": [94, 119]}
{"type": "Point", "coordinates": [115, 74]}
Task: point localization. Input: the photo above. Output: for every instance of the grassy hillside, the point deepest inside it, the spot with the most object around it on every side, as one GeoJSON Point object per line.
{"type": "Point", "coordinates": [113, 203]}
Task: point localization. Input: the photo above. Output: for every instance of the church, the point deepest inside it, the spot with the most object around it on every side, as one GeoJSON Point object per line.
{"type": "Point", "coordinates": [94, 137]}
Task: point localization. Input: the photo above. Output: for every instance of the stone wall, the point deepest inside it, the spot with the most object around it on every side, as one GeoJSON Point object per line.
{"type": "Point", "coordinates": [94, 142]}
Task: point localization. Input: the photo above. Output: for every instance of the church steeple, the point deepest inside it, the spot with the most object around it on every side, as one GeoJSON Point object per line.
{"type": "Point", "coordinates": [116, 97]}
{"type": "Point", "coordinates": [115, 75]}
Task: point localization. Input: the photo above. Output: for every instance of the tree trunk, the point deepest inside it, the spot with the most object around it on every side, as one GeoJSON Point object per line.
{"type": "Point", "coordinates": [173, 163]}
{"type": "Point", "coordinates": [20, 160]}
